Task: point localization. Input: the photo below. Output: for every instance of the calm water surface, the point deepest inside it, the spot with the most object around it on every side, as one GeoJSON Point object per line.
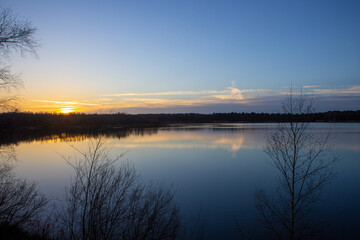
{"type": "Point", "coordinates": [214, 169]}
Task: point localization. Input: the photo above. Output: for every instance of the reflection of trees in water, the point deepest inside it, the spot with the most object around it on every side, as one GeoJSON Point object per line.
{"type": "Point", "coordinates": [219, 127]}
{"type": "Point", "coordinates": [38, 135]}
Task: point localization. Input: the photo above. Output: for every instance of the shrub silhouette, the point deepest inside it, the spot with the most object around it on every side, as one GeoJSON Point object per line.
{"type": "Point", "coordinates": [108, 201]}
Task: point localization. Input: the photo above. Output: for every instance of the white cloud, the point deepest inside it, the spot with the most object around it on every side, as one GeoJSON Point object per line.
{"type": "Point", "coordinates": [66, 103]}
{"type": "Point", "coordinates": [169, 99]}
{"type": "Point", "coordinates": [231, 94]}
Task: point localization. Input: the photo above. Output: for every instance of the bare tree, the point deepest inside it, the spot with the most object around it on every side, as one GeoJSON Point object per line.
{"type": "Point", "coordinates": [304, 167]}
{"type": "Point", "coordinates": [21, 205]}
{"type": "Point", "coordinates": [7, 157]}
{"type": "Point", "coordinates": [8, 83]}
{"type": "Point", "coordinates": [109, 202]}
{"type": "Point", "coordinates": [16, 35]}
{"type": "Point", "coordinates": [20, 202]}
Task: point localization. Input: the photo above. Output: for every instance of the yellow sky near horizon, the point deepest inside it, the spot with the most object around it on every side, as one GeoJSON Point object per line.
{"type": "Point", "coordinates": [171, 99]}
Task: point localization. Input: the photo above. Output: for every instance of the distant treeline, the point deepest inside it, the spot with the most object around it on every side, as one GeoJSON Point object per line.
{"type": "Point", "coordinates": [18, 120]}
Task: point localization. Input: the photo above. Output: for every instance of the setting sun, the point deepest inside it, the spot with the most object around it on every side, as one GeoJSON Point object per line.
{"type": "Point", "coordinates": [66, 110]}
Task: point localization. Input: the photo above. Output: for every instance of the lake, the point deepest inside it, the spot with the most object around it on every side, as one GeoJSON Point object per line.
{"type": "Point", "coordinates": [214, 170]}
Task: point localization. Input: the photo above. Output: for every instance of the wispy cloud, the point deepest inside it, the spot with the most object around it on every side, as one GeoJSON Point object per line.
{"type": "Point", "coordinates": [168, 93]}
{"type": "Point", "coordinates": [343, 91]}
{"type": "Point", "coordinates": [66, 103]}
{"type": "Point", "coordinates": [177, 98]}
{"type": "Point", "coordinates": [174, 99]}
{"type": "Point", "coordinates": [231, 94]}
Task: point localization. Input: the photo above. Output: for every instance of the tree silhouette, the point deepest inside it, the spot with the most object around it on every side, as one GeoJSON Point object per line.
{"type": "Point", "coordinates": [304, 169]}
{"type": "Point", "coordinates": [15, 35]}
{"type": "Point", "coordinates": [21, 204]}
{"type": "Point", "coordinates": [109, 202]}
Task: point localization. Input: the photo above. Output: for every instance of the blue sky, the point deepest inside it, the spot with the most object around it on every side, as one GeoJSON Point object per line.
{"type": "Point", "coordinates": [189, 56]}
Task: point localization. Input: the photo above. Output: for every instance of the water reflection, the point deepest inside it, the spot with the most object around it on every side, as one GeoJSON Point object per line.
{"type": "Point", "coordinates": [209, 165]}
{"type": "Point", "coordinates": [231, 137]}
{"type": "Point", "coordinates": [49, 136]}
{"type": "Point", "coordinates": [188, 140]}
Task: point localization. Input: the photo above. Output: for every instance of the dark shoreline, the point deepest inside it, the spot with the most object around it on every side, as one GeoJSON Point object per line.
{"type": "Point", "coordinates": [27, 127]}
{"type": "Point", "coordinates": [20, 120]}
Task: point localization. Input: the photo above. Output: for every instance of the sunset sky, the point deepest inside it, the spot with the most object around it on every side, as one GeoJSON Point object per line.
{"type": "Point", "coordinates": [188, 56]}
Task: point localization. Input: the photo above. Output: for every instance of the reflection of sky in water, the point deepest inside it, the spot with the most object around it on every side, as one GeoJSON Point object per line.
{"type": "Point", "coordinates": [217, 167]}
{"type": "Point", "coordinates": [190, 140]}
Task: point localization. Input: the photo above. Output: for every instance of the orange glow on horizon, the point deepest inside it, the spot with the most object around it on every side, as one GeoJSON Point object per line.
{"type": "Point", "coordinates": [67, 110]}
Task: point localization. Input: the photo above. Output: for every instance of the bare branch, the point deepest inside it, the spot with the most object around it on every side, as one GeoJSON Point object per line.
{"type": "Point", "coordinates": [21, 205]}
{"type": "Point", "coordinates": [16, 34]}
{"type": "Point", "coordinates": [105, 201]}
{"type": "Point", "coordinates": [304, 170]}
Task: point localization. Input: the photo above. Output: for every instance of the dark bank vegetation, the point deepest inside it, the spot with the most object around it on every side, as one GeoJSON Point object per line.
{"type": "Point", "coordinates": [17, 120]}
